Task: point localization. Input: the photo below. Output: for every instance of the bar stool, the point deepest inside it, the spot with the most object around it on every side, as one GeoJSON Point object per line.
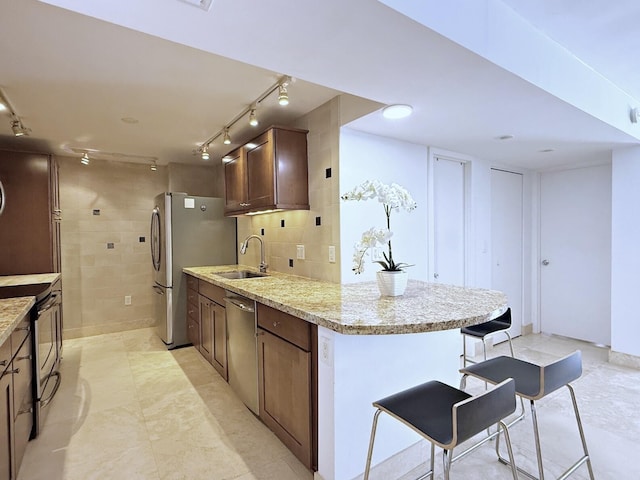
{"type": "Point", "coordinates": [446, 416]}
{"type": "Point", "coordinates": [482, 331]}
{"type": "Point", "coordinates": [534, 382]}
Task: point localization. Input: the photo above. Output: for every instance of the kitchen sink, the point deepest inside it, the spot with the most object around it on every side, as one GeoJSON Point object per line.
{"type": "Point", "coordinates": [238, 274]}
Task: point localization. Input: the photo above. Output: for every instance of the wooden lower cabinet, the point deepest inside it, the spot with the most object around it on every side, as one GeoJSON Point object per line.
{"type": "Point", "coordinates": [213, 334]}
{"type": "Point", "coordinates": [7, 455]}
{"type": "Point", "coordinates": [287, 383]}
{"type": "Point", "coordinates": [16, 399]}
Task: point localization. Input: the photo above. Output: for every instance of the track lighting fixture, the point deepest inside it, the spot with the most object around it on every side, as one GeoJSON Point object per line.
{"type": "Point", "coordinates": [205, 152]}
{"type": "Point", "coordinates": [154, 166]}
{"type": "Point", "coordinates": [85, 159]}
{"type": "Point", "coordinates": [283, 95]}
{"type": "Point", "coordinates": [18, 128]}
{"type": "Point", "coordinates": [253, 120]}
{"type": "Point", "coordinates": [283, 99]}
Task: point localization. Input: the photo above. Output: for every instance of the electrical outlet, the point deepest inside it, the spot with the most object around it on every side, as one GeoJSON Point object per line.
{"type": "Point", "coordinates": [300, 252]}
{"type": "Point", "coordinates": [127, 300]}
{"type": "Point", "coordinates": [326, 350]}
{"type": "Point", "coordinates": [332, 254]}
{"type": "Point", "coordinates": [376, 254]}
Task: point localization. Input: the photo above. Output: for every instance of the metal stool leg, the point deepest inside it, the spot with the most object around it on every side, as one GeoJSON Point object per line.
{"type": "Point", "coordinates": [372, 439]}
{"type": "Point", "coordinates": [586, 457]}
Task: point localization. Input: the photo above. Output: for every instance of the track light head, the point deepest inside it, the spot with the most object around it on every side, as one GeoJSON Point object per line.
{"type": "Point", "coordinates": [154, 166]}
{"type": "Point", "coordinates": [85, 159]}
{"type": "Point", "coordinates": [18, 128]}
{"type": "Point", "coordinates": [253, 120]}
{"type": "Point", "coordinates": [205, 152]}
{"type": "Point", "coordinates": [283, 95]}
{"type": "Point", "coordinates": [227, 138]}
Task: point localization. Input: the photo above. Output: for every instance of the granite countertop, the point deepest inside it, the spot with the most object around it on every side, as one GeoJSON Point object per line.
{"type": "Point", "coordinates": [31, 279]}
{"type": "Point", "coordinates": [358, 308]}
{"type": "Point", "coordinates": [12, 310]}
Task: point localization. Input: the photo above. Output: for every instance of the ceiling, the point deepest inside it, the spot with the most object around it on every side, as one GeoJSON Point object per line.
{"type": "Point", "coordinates": [184, 73]}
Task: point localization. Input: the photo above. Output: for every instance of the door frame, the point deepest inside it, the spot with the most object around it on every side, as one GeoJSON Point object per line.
{"type": "Point", "coordinates": [467, 161]}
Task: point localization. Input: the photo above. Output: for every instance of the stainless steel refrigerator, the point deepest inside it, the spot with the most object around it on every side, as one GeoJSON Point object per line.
{"type": "Point", "coordinates": [186, 231]}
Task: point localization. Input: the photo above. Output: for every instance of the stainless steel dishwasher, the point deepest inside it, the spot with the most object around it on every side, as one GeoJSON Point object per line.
{"type": "Point", "coordinates": [242, 351]}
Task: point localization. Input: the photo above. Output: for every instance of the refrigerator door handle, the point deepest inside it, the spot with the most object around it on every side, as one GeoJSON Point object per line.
{"type": "Point", "coordinates": [3, 198]}
{"type": "Point", "coordinates": [158, 290]}
{"type": "Point", "coordinates": [155, 239]}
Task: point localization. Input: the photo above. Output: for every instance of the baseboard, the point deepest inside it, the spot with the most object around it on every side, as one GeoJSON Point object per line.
{"type": "Point", "coordinates": [624, 359]}
{"type": "Point", "coordinates": [527, 329]}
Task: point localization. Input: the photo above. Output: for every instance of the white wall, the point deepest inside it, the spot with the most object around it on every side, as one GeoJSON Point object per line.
{"type": "Point", "coordinates": [625, 254]}
{"type": "Point", "coordinates": [370, 157]}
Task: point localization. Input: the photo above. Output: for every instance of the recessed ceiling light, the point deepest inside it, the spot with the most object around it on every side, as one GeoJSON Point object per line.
{"type": "Point", "coordinates": [3, 107]}
{"type": "Point", "coordinates": [505, 137]}
{"type": "Point", "coordinates": [397, 111]}
{"type": "Point", "coordinates": [129, 120]}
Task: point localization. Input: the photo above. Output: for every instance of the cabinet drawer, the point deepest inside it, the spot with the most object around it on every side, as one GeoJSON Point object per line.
{"type": "Point", "coordinates": [19, 334]}
{"type": "Point", "coordinates": [192, 296]}
{"type": "Point", "coordinates": [288, 327]}
{"type": "Point", "coordinates": [192, 312]}
{"type": "Point", "coordinates": [5, 354]}
{"type": "Point", "coordinates": [212, 292]}
{"type": "Point", "coordinates": [22, 379]}
{"type": "Point", "coordinates": [192, 282]}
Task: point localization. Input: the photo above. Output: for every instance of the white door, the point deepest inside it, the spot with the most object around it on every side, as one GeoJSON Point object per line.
{"type": "Point", "coordinates": [575, 253]}
{"type": "Point", "coordinates": [448, 221]}
{"type": "Point", "coordinates": [506, 242]}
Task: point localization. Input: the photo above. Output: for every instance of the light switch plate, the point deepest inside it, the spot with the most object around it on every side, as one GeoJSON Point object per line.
{"type": "Point", "coordinates": [332, 254]}
{"type": "Point", "coordinates": [300, 252]}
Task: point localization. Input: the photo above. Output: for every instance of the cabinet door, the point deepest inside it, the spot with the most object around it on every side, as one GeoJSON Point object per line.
{"type": "Point", "coordinates": [56, 216]}
{"type": "Point", "coordinates": [7, 469]}
{"type": "Point", "coordinates": [22, 400]}
{"type": "Point", "coordinates": [260, 173]}
{"type": "Point", "coordinates": [235, 194]}
{"type": "Point", "coordinates": [284, 376]}
{"type": "Point", "coordinates": [219, 355]}
{"type": "Point", "coordinates": [206, 328]}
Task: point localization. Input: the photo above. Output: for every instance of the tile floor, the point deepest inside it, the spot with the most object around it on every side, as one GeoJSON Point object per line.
{"type": "Point", "coordinates": [130, 409]}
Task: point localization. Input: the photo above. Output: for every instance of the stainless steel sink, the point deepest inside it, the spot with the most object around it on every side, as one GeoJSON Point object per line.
{"type": "Point", "coordinates": [239, 274]}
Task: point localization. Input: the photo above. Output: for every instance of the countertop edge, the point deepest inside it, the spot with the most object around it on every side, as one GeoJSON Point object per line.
{"type": "Point", "coordinates": [12, 311]}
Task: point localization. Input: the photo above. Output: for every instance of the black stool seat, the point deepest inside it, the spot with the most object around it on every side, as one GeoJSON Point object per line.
{"type": "Point", "coordinates": [436, 422]}
{"type": "Point", "coordinates": [446, 416]}
{"type": "Point", "coordinates": [486, 328]}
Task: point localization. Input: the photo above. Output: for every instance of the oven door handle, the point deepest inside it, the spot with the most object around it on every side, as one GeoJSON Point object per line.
{"type": "Point", "coordinates": [49, 304]}
{"type": "Point", "coordinates": [45, 402]}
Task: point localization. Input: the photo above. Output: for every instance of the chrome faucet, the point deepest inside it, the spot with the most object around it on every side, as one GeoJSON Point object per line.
{"type": "Point", "coordinates": [243, 250]}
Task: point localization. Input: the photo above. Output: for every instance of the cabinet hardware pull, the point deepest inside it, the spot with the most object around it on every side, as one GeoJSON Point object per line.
{"type": "Point", "coordinates": [23, 329]}
{"type": "Point", "coordinates": [26, 357]}
{"type": "Point", "coordinates": [28, 410]}
{"type": "Point", "coordinates": [15, 371]}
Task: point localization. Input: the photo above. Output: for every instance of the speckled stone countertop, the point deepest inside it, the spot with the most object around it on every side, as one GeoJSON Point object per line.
{"type": "Point", "coordinates": [13, 280]}
{"type": "Point", "coordinates": [358, 308]}
{"type": "Point", "coordinates": [12, 310]}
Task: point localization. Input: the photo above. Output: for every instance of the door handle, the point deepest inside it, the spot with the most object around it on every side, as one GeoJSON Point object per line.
{"type": "Point", "coordinates": [435, 275]}
{"type": "Point", "coordinates": [545, 262]}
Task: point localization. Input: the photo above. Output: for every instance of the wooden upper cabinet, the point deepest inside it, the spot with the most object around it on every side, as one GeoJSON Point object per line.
{"type": "Point", "coordinates": [235, 180]}
{"type": "Point", "coordinates": [268, 173]}
{"type": "Point", "coordinates": [30, 223]}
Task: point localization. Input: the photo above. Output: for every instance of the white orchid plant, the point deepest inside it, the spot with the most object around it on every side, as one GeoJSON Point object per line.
{"type": "Point", "coordinates": [392, 197]}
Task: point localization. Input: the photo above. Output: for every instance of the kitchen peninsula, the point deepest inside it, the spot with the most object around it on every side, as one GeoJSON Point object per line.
{"type": "Point", "coordinates": [367, 347]}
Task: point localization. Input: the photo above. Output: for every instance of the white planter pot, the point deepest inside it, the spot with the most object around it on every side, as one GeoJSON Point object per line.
{"type": "Point", "coordinates": [392, 284]}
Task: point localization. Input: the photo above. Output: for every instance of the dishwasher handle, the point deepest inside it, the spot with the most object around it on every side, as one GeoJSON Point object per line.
{"type": "Point", "coordinates": [241, 303]}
